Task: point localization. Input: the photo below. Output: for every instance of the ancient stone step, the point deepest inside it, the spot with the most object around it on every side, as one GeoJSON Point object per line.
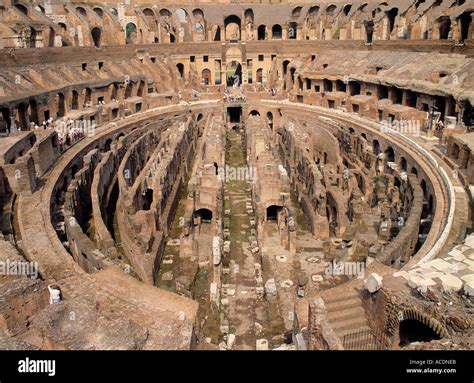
{"type": "Point", "coordinates": [349, 325]}
{"type": "Point", "coordinates": [346, 313]}
{"type": "Point", "coordinates": [343, 304]}
{"type": "Point", "coordinates": [340, 296]}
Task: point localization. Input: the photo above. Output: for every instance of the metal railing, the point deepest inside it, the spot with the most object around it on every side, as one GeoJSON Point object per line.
{"type": "Point", "coordinates": [364, 339]}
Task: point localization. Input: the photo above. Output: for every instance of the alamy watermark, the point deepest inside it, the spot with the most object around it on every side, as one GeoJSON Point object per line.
{"type": "Point", "coordinates": [8, 267]}
{"type": "Point", "coordinates": [239, 173]}
{"type": "Point", "coordinates": [407, 127]}
{"type": "Point", "coordinates": [350, 269]}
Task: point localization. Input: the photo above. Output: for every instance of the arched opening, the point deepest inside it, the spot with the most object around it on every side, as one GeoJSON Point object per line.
{"type": "Point", "coordinates": [277, 32]}
{"type": "Point", "coordinates": [232, 27]}
{"type": "Point", "coordinates": [130, 33]}
{"type": "Point", "coordinates": [285, 67]}
{"type": "Point", "coordinates": [34, 112]}
{"type": "Point", "coordinates": [347, 8]}
{"type": "Point", "coordinates": [270, 120]}
{"type": "Point", "coordinates": [33, 37]}
{"type": "Point", "coordinates": [206, 77]}
{"type": "Point", "coordinates": [259, 78]}
{"type": "Point", "coordinates": [128, 90]}
{"type": "Point", "coordinates": [22, 117]}
{"type": "Point", "coordinates": [293, 31]}
{"type": "Point", "coordinates": [327, 85]}
{"type": "Point", "coordinates": [149, 13]}
{"type": "Point", "coordinates": [455, 151]}
{"type": "Point", "coordinates": [182, 15]}
{"type": "Point", "coordinates": [5, 121]}
{"type": "Point", "coordinates": [81, 11]}
{"type": "Point", "coordinates": [272, 212]}
{"type": "Point", "coordinates": [403, 164]}
{"type": "Point", "coordinates": [411, 99]}
{"type": "Point", "coordinates": [234, 73]}
{"type": "Point", "coordinates": [465, 21]}
{"type": "Point", "coordinates": [113, 91]}
{"type": "Point", "coordinates": [376, 147]}
{"type": "Point", "coordinates": [369, 30]}
{"type": "Point", "coordinates": [60, 105]}
{"type": "Point", "coordinates": [340, 86]}
{"type": "Point", "coordinates": [331, 213]}
{"type": "Point", "coordinates": [147, 199]}
{"type": "Point", "coordinates": [254, 113]}
{"type": "Point", "coordinates": [106, 146]}
{"type": "Point", "coordinates": [172, 38]}
{"type": "Point", "coordinates": [75, 100]}
{"type": "Point", "coordinates": [382, 92]}
{"type": "Point", "coordinates": [99, 12]}
{"type": "Point", "coordinates": [141, 88]}
{"type": "Point", "coordinates": [391, 15]}
{"type": "Point", "coordinates": [217, 34]}
{"type": "Point", "coordinates": [444, 23]}
{"type": "Point", "coordinates": [87, 96]}
{"type": "Point", "coordinates": [412, 330]}
{"type": "Point", "coordinates": [390, 154]}
{"type": "Point", "coordinates": [204, 214]}
{"type": "Point", "coordinates": [330, 10]}
{"type": "Point", "coordinates": [354, 88]}
{"type": "Point", "coordinates": [180, 68]}
{"type": "Point", "coordinates": [52, 37]}
{"type": "Point", "coordinates": [261, 32]}
{"type": "Point", "coordinates": [22, 8]}
{"type": "Point", "coordinates": [96, 35]}
{"type": "Point", "coordinates": [423, 187]}
{"type": "Point", "coordinates": [468, 114]}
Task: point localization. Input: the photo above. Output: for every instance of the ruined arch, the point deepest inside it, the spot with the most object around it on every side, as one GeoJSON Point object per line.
{"type": "Point", "coordinates": [75, 100]}
{"type": "Point", "coordinates": [444, 26]}
{"type": "Point", "coordinates": [81, 11]}
{"type": "Point", "coordinates": [390, 154]}
{"type": "Point", "coordinates": [403, 164]}
{"type": "Point", "coordinates": [180, 68]}
{"type": "Point", "coordinates": [130, 33]}
{"type": "Point", "coordinates": [99, 12]}
{"type": "Point", "coordinates": [259, 75]}
{"type": "Point", "coordinates": [232, 26]}
{"type": "Point", "coordinates": [330, 10]}
{"type": "Point", "coordinates": [347, 8]}
{"type": "Point", "coordinates": [391, 15]}
{"type": "Point", "coordinates": [277, 32]}
{"type": "Point", "coordinates": [33, 37]}
{"type": "Point", "coordinates": [216, 33]}
{"type": "Point", "coordinates": [272, 212]}
{"type": "Point", "coordinates": [60, 105]}
{"type": "Point", "coordinates": [23, 9]}
{"type": "Point", "coordinates": [206, 76]}
{"type": "Point", "coordinates": [296, 12]}
{"type": "Point", "coordinates": [376, 147]}
{"type": "Point", "coordinates": [5, 120]}
{"type": "Point", "coordinates": [465, 20]}
{"type": "Point", "coordinates": [234, 73]}
{"type": "Point", "coordinates": [33, 111]}
{"type": "Point", "coordinates": [96, 36]}
{"type": "Point", "coordinates": [418, 327]}
{"type": "Point", "coordinates": [204, 214]}
{"type": "Point", "coordinates": [52, 37]}
{"type": "Point", "coordinates": [148, 12]}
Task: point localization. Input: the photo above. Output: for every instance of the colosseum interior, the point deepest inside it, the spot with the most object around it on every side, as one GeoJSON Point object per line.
{"type": "Point", "coordinates": [245, 175]}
